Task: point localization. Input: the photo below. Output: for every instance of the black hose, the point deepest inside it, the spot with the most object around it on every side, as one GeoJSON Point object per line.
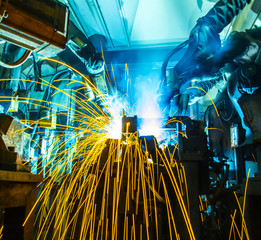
{"type": "Point", "coordinates": [168, 57]}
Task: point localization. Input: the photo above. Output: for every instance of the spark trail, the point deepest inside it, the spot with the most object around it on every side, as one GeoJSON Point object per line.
{"type": "Point", "coordinates": [99, 187]}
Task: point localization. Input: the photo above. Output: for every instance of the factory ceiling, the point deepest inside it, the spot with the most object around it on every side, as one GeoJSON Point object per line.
{"type": "Point", "coordinates": [138, 23]}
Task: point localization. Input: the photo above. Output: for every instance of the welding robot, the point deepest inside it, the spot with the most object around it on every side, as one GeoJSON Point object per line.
{"type": "Point", "coordinates": [204, 56]}
{"type": "Point", "coordinates": [205, 61]}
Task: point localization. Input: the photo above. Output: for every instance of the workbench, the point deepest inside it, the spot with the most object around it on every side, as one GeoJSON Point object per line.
{"type": "Point", "coordinates": [18, 192]}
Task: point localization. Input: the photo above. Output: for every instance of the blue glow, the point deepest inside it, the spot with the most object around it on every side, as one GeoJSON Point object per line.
{"type": "Point", "coordinates": [152, 119]}
{"type": "Point", "coordinates": [147, 106]}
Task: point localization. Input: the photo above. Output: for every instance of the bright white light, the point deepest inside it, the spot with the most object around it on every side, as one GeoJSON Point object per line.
{"type": "Point", "coordinates": [114, 129]}
{"type": "Point", "coordinates": [116, 104]}
{"type": "Point", "coordinates": [150, 127]}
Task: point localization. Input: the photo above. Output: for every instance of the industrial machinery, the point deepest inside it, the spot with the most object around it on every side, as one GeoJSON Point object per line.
{"type": "Point", "coordinates": [40, 26]}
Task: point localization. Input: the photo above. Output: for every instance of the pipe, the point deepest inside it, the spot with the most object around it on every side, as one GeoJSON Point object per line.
{"type": "Point", "coordinates": [19, 62]}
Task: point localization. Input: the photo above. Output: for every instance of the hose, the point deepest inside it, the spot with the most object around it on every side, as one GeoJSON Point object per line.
{"type": "Point", "coordinates": [19, 62]}
{"type": "Point", "coordinates": [166, 61]}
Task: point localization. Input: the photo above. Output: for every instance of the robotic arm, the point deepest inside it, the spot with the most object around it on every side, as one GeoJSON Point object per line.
{"type": "Point", "coordinates": [200, 58]}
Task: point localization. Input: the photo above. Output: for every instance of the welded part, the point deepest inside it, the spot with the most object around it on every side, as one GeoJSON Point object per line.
{"type": "Point", "coordinates": [17, 139]}
{"type": "Point", "coordinates": [129, 124]}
